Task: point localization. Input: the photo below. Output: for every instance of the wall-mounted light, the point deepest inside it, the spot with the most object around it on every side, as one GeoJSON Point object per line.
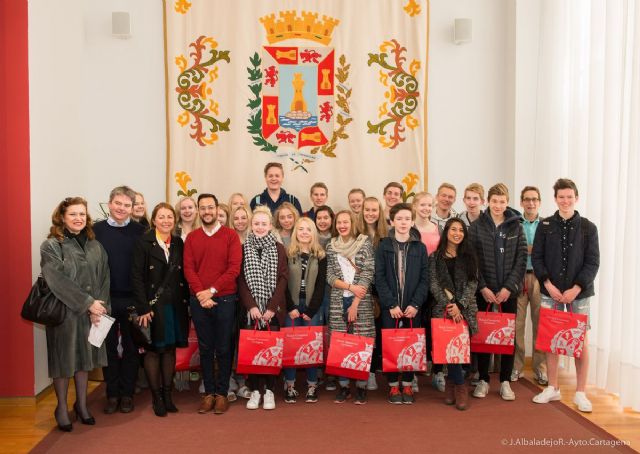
{"type": "Point", "coordinates": [121, 24]}
{"type": "Point", "coordinates": [462, 31]}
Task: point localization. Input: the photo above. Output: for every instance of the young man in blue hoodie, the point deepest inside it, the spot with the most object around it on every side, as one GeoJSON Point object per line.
{"type": "Point", "coordinates": [401, 279]}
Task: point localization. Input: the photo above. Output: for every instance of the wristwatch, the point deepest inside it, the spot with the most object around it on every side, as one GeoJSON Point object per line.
{"type": "Point", "coordinates": [213, 291]}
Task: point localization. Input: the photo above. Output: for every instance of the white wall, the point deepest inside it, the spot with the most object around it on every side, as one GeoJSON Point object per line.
{"type": "Point", "coordinates": [468, 103]}
{"type": "Point", "coordinates": [98, 114]}
{"type": "Point", "coordinates": [97, 111]}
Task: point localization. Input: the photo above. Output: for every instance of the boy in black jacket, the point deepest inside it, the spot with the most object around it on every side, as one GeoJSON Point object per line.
{"type": "Point", "coordinates": [401, 279]}
{"type": "Point", "coordinates": [566, 258]}
{"type": "Point", "coordinates": [501, 247]}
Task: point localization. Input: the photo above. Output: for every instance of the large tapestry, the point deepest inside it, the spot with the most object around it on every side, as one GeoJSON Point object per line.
{"type": "Point", "coordinates": [335, 90]}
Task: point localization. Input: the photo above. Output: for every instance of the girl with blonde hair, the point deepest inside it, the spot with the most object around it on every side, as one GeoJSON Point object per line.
{"type": "Point", "coordinates": [371, 221]}
{"type": "Point", "coordinates": [304, 295]}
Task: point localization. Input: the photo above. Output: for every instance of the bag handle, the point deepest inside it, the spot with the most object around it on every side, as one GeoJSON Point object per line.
{"type": "Point", "coordinates": [410, 323]}
{"type": "Point", "coordinates": [255, 326]}
{"type": "Point", "coordinates": [556, 304]}
{"type": "Point", "coordinates": [489, 305]}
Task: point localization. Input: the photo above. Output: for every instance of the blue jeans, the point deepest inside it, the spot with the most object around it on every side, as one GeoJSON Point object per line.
{"type": "Point", "coordinates": [312, 372]}
{"type": "Point", "coordinates": [455, 373]}
{"type": "Point", "coordinates": [214, 328]}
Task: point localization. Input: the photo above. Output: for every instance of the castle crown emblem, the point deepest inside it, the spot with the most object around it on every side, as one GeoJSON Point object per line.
{"type": "Point", "coordinates": [290, 26]}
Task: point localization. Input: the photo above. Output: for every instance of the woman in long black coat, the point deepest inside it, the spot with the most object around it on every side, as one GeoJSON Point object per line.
{"type": "Point", "coordinates": [161, 294]}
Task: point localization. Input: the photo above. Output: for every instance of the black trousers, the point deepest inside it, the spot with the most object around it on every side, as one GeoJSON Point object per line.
{"type": "Point", "coordinates": [506, 361]}
{"type": "Point", "coordinates": [122, 370]}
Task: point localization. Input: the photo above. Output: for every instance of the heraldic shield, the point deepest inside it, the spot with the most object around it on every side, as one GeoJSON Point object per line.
{"type": "Point", "coordinates": [298, 95]}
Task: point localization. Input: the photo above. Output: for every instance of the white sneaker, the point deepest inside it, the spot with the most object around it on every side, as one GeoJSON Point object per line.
{"type": "Point", "coordinates": [547, 395]}
{"type": "Point", "coordinates": [254, 401]}
{"type": "Point", "coordinates": [244, 392]}
{"type": "Point", "coordinates": [482, 389]}
{"type": "Point", "coordinates": [516, 374]}
{"type": "Point", "coordinates": [269, 402]}
{"type": "Point", "coordinates": [201, 387]}
{"type": "Point", "coordinates": [231, 396]}
{"type": "Point", "coordinates": [584, 404]}
{"type": "Point", "coordinates": [506, 392]}
{"type": "Point", "coordinates": [438, 381]}
{"type": "Point", "coordinates": [372, 384]}
{"type": "Point", "coordinates": [414, 385]}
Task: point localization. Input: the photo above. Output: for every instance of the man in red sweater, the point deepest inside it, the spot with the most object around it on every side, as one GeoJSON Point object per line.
{"type": "Point", "coordinates": [212, 259]}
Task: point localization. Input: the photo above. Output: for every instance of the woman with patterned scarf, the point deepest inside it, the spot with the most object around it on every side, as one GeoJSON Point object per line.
{"type": "Point", "coordinates": [261, 287]}
{"type": "Point", "coordinates": [350, 268]}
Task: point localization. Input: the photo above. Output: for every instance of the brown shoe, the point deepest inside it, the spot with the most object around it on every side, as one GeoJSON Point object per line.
{"type": "Point", "coordinates": [222, 404]}
{"type": "Point", "coordinates": [207, 404]}
{"type": "Point", "coordinates": [449, 394]}
{"type": "Point", "coordinates": [462, 397]}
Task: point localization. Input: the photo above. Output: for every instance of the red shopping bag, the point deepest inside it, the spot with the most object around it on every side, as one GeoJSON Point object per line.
{"type": "Point", "coordinates": [349, 355]}
{"type": "Point", "coordinates": [260, 352]}
{"type": "Point", "coordinates": [404, 349]}
{"type": "Point", "coordinates": [450, 341]}
{"type": "Point", "coordinates": [188, 358]}
{"type": "Point", "coordinates": [561, 332]}
{"type": "Point", "coordinates": [496, 333]}
{"type": "Point", "coordinates": [325, 341]}
{"type": "Point", "coordinates": [303, 346]}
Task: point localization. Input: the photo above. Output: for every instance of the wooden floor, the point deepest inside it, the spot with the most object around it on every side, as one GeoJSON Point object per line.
{"type": "Point", "coordinates": [25, 421]}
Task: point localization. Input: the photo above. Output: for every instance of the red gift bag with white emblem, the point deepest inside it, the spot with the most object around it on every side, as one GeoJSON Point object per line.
{"type": "Point", "coordinates": [260, 352]}
{"type": "Point", "coordinates": [349, 355]}
{"type": "Point", "coordinates": [450, 341]}
{"type": "Point", "coordinates": [561, 332]}
{"type": "Point", "coordinates": [303, 346]}
{"type": "Point", "coordinates": [188, 358]}
{"type": "Point", "coordinates": [496, 333]}
{"type": "Point", "coordinates": [404, 349]}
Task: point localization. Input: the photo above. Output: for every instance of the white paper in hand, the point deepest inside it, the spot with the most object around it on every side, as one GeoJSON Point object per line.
{"type": "Point", "coordinates": [98, 332]}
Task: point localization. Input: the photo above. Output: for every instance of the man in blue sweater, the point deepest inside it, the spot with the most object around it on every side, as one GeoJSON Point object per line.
{"type": "Point", "coordinates": [118, 234]}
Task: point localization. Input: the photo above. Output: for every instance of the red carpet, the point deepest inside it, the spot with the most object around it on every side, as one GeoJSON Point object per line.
{"type": "Point", "coordinates": [490, 425]}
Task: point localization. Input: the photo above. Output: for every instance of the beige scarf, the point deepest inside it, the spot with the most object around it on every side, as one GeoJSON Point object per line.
{"type": "Point", "coordinates": [350, 248]}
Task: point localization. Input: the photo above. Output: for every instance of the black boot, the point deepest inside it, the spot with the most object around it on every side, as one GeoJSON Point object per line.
{"type": "Point", "coordinates": [158, 403]}
{"type": "Point", "coordinates": [168, 401]}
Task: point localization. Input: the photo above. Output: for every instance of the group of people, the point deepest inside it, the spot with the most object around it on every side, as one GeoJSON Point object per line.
{"type": "Point", "coordinates": [263, 263]}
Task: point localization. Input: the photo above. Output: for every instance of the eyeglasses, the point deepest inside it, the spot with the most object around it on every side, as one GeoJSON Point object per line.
{"type": "Point", "coordinates": [534, 199]}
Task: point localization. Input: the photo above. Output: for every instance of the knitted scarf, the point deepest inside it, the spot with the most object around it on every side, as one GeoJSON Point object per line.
{"type": "Point", "coordinates": [350, 248]}
{"type": "Point", "coordinates": [261, 268]}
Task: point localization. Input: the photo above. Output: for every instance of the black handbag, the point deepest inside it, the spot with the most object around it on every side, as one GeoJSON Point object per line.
{"type": "Point", "coordinates": [140, 335]}
{"type": "Point", "coordinates": [42, 306]}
